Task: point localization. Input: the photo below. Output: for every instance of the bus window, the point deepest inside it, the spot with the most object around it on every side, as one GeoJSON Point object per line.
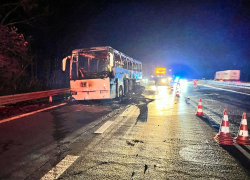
{"type": "Point", "coordinates": [102, 65]}
{"type": "Point", "coordinates": [129, 66]}
{"type": "Point", "coordinates": [74, 70]}
{"type": "Point", "coordinates": [125, 65]}
{"type": "Point", "coordinates": [93, 65]}
{"type": "Point", "coordinates": [118, 63]}
{"type": "Point", "coordinates": [83, 63]}
{"type": "Point", "coordinates": [135, 67]}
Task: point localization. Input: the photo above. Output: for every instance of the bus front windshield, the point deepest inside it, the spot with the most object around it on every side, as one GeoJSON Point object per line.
{"type": "Point", "coordinates": [93, 68]}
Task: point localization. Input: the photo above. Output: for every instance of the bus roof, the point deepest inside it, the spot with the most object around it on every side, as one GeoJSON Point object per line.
{"type": "Point", "coordinates": [92, 50]}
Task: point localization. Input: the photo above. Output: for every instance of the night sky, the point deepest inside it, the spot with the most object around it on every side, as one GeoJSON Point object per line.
{"type": "Point", "coordinates": [193, 38]}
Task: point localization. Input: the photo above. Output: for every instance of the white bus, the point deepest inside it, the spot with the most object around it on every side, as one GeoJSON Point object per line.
{"type": "Point", "coordinates": [101, 73]}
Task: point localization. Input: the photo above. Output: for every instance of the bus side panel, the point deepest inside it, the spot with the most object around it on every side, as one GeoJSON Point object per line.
{"type": "Point", "coordinates": [128, 73]}
{"type": "Point", "coordinates": [122, 74]}
{"type": "Point", "coordinates": [136, 75]}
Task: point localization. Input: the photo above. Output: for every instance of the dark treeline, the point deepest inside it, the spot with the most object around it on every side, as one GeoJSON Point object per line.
{"type": "Point", "coordinates": [35, 35]}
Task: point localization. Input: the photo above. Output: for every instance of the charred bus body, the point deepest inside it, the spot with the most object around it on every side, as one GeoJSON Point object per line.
{"type": "Point", "coordinates": [101, 73]}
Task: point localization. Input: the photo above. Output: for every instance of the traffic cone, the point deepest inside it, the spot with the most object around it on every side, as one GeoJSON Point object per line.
{"type": "Point", "coordinates": [242, 137]}
{"type": "Point", "coordinates": [224, 137]}
{"type": "Point", "coordinates": [172, 88]}
{"type": "Point", "coordinates": [195, 83]}
{"type": "Point", "coordinates": [177, 93]}
{"type": "Point", "coordinates": [50, 98]}
{"type": "Point", "coordinates": [199, 110]}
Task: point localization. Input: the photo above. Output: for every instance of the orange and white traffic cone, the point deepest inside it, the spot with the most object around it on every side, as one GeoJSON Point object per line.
{"type": "Point", "coordinates": [199, 110]}
{"type": "Point", "coordinates": [195, 83]}
{"type": "Point", "coordinates": [50, 98]}
{"type": "Point", "coordinates": [177, 93]}
{"type": "Point", "coordinates": [242, 137]}
{"type": "Point", "coordinates": [224, 137]}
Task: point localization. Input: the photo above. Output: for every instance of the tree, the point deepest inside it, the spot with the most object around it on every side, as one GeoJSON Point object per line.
{"type": "Point", "coordinates": [15, 55]}
{"type": "Point", "coordinates": [21, 12]}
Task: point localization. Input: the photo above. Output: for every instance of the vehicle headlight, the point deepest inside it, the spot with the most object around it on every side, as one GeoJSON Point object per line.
{"type": "Point", "coordinates": [163, 80]}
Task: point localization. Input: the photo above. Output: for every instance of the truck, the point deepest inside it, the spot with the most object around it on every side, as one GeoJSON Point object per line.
{"type": "Point", "coordinates": [160, 76]}
{"type": "Point", "coordinates": [232, 75]}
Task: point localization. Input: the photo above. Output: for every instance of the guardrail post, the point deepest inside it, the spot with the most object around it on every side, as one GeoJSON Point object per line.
{"type": "Point", "coordinates": [50, 98]}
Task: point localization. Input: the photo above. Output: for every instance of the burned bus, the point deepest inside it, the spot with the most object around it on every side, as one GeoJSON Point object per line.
{"type": "Point", "coordinates": [101, 73]}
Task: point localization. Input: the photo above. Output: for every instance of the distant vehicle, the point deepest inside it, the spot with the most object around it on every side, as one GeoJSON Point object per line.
{"type": "Point", "coordinates": [160, 71]}
{"type": "Point", "coordinates": [145, 80]}
{"type": "Point", "coordinates": [160, 76]}
{"type": "Point", "coordinates": [232, 75]}
{"type": "Point", "coordinates": [101, 73]}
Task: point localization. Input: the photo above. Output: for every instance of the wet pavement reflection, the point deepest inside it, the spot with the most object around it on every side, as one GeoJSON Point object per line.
{"type": "Point", "coordinates": [158, 139]}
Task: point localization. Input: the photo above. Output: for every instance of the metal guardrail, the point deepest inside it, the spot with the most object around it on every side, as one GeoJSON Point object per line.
{"type": "Point", "coordinates": [11, 99]}
{"type": "Point", "coordinates": [232, 84]}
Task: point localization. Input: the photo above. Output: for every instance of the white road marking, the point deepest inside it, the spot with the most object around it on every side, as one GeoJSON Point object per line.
{"type": "Point", "coordinates": [126, 112]}
{"type": "Point", "coordinates": [104, 127]}
{"type": "Point", "coordinates": [27, 114]}
{"type": "Point", "coordinates": [242, 150]}
{"type": "Point", "coordinates": [226, 89]}
{"type": "Point", "coordinates": [56, 171]}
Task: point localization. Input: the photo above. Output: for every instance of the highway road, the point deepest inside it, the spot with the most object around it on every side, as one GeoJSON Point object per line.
{"type": "Point", "coordinates": [154, 136]}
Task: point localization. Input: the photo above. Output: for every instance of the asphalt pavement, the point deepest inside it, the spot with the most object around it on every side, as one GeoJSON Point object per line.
{"type": "Point", "coordinates": [154, 136]}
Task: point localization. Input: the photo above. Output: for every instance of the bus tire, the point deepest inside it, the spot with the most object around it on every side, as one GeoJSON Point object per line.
{"type": "Point", "coordinates": [133, 85]}
{"type": "Point", "coordinates": [116, 88]}
{"type": "Point", "coordinates": [120, 91]}
{"type": "Point", "coordinates": [125, 86]}
{"type": "Point", "coordinates": [120, 94]}
{"type": "Point", "coordinates": [130, 86]}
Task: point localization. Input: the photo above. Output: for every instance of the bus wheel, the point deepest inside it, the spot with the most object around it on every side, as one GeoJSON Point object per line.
{"type": "Point", "coordinates": [130, 86]}
{"type": "Point", "coordinates": [126, 86]}
{"type": "Point", "coordinates": [120, 93]}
